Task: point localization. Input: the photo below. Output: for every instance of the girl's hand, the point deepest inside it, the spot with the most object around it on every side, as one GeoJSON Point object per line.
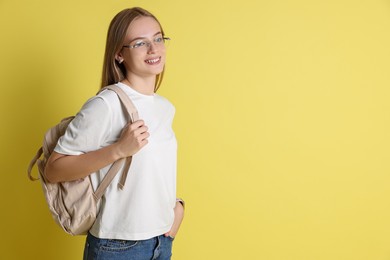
{"type": "Point", "coordinates": [133, 137]}
{"type": "Point", "coordinates": [179, 215]}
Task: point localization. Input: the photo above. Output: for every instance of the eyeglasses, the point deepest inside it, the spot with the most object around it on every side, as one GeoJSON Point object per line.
{"type": "Point", "coordinates": [139, 44]}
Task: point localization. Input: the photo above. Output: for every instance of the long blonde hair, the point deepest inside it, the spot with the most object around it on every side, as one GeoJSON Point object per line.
{"type": "Point", "coordinates": [113, 71]}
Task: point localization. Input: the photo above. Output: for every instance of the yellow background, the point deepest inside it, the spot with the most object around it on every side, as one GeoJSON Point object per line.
{"type": "Point", "coordinates": [282, 120]}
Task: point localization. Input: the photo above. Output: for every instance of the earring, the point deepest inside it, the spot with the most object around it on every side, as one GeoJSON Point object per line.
{"type": "Point", "coordinates": [120, 60]}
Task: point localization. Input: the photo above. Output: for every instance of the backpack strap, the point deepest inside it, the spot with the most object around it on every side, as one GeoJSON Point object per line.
{"type": "Point", "coordinates": [132, 112]}
{"type": "Point", "coordinates": [32, 163]}
{"type": "Point", "coordinates": [132, 116]}
{"type": "Point", "coordinates": [108, 178]}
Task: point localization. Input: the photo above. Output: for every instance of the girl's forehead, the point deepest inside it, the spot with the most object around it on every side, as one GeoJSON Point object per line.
{"type": "Point", "coordinates": [143, 27]}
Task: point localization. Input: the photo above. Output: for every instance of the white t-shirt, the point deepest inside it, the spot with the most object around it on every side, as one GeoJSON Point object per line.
{"type": "Point", "coordinates": [144, 208]}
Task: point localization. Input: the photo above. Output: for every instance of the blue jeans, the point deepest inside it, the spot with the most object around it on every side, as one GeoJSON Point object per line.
{"type": "Point", "coordinates": [157, 248]}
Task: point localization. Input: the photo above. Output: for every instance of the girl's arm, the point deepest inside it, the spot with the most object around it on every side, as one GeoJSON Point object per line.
{"type": "Point", "coordinates": [179, 215]}
{"type": "Point", "coordinates": [62, 167]}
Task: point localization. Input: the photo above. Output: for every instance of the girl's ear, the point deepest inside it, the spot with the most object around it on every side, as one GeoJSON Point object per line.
{"type": "Point", "coordinates": [119, 58]}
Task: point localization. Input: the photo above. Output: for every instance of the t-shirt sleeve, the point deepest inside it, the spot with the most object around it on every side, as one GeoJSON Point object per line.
{"type": "Point", "coordinates": [88, 131]}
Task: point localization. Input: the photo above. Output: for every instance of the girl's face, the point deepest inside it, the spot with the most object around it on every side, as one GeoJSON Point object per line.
{"type": "Point", "coordinates": [144, 51]}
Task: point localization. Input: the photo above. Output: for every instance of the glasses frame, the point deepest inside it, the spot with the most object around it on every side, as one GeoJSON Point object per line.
{"type": "Point", "coordinates": [147, 43]}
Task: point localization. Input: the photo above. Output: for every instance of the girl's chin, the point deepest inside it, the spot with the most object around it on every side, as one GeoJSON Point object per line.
{"type": "Point", "coordinates": [156, 71]}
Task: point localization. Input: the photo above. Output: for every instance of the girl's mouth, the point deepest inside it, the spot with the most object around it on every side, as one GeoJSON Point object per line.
{"type": "Point", "coordinates": [153, 61]}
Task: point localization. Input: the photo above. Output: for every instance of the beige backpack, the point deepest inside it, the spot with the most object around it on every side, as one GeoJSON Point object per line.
{"type": "Point", "coordinates": [74, 205]}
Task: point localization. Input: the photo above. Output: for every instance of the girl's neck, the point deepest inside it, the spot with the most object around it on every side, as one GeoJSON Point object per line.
{"type": "Point", "coordinates": [142, 85]}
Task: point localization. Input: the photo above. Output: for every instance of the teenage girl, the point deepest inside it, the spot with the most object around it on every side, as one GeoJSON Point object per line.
{"type": "Point", "coordinates": [140, 221]}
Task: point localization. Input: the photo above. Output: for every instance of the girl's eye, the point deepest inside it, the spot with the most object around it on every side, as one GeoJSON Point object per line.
{"type": "Point", "coordinates": [138, 44]}
{"type": "Point", "coordinates": [159, 39]}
